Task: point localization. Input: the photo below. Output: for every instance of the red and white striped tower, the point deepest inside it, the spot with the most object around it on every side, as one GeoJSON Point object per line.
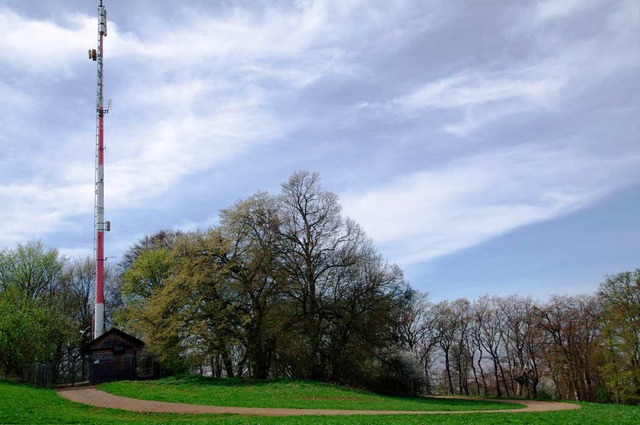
{"type": "Point", "coordinates": [100, 226]}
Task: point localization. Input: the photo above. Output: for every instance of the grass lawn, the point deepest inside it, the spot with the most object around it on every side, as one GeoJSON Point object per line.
{"type": "Point", "coordinates": [21, 404]}
{"type": "Point", "coordinates": [287, 394]}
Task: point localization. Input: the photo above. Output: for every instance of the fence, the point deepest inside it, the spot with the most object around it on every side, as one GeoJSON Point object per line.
{"type": "Point", "coordinates": [37, 374]}
{"type": "Point", "coordinates": [46, 374]}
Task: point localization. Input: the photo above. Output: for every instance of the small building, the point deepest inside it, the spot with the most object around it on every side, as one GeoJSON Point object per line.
{"type": "Point", "coordinates": [113, 357]}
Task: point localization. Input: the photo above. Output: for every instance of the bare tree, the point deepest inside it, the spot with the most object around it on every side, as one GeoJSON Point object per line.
{"type": "Point", "coordinates": [417, 332]}
{"type": "Point", "coordinates": [522, 343]}
{"type": "Point", "coordinates": [316, 243]}
{"type": "Point", "coordinates": [491, 337]}
{"type": "Point", "coordinates": [574, 326]}
{"type": "Point", "coordinates": [446, 328]}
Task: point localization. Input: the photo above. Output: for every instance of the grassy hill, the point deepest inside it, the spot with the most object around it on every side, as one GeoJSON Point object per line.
{"type": "Point", "coordinates": [23, 404]}
{"type": "Point", "coordinates": [282, 393]}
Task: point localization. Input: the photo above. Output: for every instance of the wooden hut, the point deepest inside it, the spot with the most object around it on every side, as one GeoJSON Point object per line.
{"type": "Point", "coordinates": [114, 357]}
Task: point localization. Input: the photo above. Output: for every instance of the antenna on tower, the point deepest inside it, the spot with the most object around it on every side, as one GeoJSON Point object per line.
{"type": "Point", "coordinates": [100, 226]}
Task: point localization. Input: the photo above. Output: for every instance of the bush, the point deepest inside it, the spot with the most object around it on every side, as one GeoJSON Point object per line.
{"type": "Point", "coordinates": [399, 374]}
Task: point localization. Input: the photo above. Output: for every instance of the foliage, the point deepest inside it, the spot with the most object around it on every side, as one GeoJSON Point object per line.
{"type": "Point", "coordinates": [23, 331]}
{"type": "Point", "coordinates": [43, 308]}
{"type": "Point", "coordinates": [620, 297]}
{"type": "Point", "coordinates": [282, 287]}
{"type": "Point", "coordinates": [30, 268]}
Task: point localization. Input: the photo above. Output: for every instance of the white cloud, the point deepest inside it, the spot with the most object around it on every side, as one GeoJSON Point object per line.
{"type": "Point", "coordinates": [477, 88]}
{"type": "Point", "coordinates": [554, 9]}
{"type": "Point", "coordinates": [204, 92]}
{"type": "Point", "coordinates": [438, 211]}
{"type": "Point", "coordinates": [42, 47]}
{"type": "Point", "coordinates": [175, 147]}
{"type": "Point", "coordinates": [197, 99]}
{"type": "Point", "coordinates": [561, 68]}
{"type": "Point", "coordinates": [38, 207]}
{"type": "Point", "coordinates": [484, 97]}
{"type": "Point", "coordinates": [193, 96]}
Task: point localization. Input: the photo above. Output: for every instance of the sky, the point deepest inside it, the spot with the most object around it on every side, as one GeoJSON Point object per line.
{"type": "Point", "coordinates": [487, 147]}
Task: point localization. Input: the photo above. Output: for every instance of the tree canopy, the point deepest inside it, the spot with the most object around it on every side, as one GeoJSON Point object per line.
{"type": "Point", "coordinates": [282, 286]}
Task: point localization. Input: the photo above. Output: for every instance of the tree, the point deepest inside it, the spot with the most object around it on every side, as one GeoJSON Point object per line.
{"type": "Point", "coordinates": [416, 331]}
{"type": "Point", "coordinates": [446, 327]}
{"type": "Point", "coordinates": [283, 286]}
{"type": "Point", "coordinates": [343, 296]}
{"type": "Point", "coordinates": [162, 239]}
{"type": "Point", "coordinates": [361, 311]}
{"type": "Point", "coordinates": [42, 308]}
{"type": "Point", "coordinates": [523, 343]}
{"type": "Point", "coordinates": [23, 331]}
{"type": "Point", "coordinates": [80, 281]}
{"type": "Point", "coordinates": [30, 268]}
{"type": "Point", "coordinates": [251, 228]}
{"type": "Point", "coordinates": [620, 298]}
{"type": "Point", "coordinates": [141, 313]}
{"type": "Point", "coordinates": [573, 323]}
{"type": "Point", "coordinates": [314, 236]}
{"type": "Point", "coordinates": [490, 336]}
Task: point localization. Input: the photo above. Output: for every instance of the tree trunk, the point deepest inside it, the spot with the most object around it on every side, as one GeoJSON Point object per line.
{"type": "Point", "coordinates": [496, 375]}
{"type": "Point", "coordinates": [448, 369]}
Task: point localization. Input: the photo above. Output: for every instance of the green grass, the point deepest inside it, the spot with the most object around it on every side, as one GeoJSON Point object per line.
{"type": "Point", "coordinates": [286, 394]}
{"type": "Point", "coordinates": [20, 404]}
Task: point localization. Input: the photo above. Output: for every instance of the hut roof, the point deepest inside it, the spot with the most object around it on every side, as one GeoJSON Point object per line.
{"type": "Point", "coordinates": [111, 334]}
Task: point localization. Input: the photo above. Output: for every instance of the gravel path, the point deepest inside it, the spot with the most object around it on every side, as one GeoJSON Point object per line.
{"type": "Point", "coordinates": [95, 397]}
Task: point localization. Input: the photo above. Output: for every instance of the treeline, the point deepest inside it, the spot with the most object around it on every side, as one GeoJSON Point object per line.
{"type": "Point", "coordinates": [284, 286]}
{"type": "Point", "coordinates": [570, 347]}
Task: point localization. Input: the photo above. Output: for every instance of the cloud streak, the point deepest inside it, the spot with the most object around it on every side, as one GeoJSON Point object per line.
{"type": "Point", "coordinates": [425, 215]}
{"type": "Point", "coordinates": [200, 97]}
{"type": "Point", "coordinates": [43, 47]}
{"type": "Point", "coordinates": [441, 126]}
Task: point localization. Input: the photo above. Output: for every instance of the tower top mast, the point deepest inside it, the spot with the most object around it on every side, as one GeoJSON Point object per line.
{"type": "Point", "coordinates": [100, 226]}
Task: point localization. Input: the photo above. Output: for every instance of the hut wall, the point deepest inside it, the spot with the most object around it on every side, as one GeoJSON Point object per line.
{"type": "Point", "coordinates": [113, 358]}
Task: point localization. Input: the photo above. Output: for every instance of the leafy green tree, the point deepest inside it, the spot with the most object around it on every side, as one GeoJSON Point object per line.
{"type": "Point", "coordinates": [23, 331]}
{"type": "Point", "coordinates": [141, 283]}
{"type": "Point", "coordinates": [30, 268]}
{"type": "Point", "coordinates": [204, 300]}
{"type": "Point", "coordinates": [162, 239]}
{"type": "Point", "coordinates": [147, 274]}
{"type": "Point", "coordinates": [42, 308]}
{"type": "Point", "coordinates": [251, 228]}
{"type": "Point", "coordinates": [283, 286]}
{"type": "Point", "coordinates": [620, 297]}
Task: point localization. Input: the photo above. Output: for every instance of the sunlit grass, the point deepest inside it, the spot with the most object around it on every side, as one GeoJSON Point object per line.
{"type": "Point", "coordinates": [283, 394]}
{"type": "Point", "coordinates": [21, 404]}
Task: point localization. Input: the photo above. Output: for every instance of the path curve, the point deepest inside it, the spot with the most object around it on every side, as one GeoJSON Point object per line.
{"type": "Point", "coordinates": [98, 398]}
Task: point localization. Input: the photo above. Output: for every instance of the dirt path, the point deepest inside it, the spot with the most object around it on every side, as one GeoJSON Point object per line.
{"type": "Point", "coordinates": [95, 397]}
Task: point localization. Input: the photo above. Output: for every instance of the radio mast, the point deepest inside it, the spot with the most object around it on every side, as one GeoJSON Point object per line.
{"type": "Point", "coordinates": [100, 226]}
